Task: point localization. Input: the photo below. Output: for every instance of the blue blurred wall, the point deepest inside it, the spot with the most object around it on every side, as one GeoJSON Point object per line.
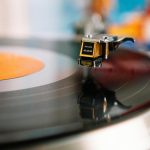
{"type": "Point", "coordinates": [125, 6]}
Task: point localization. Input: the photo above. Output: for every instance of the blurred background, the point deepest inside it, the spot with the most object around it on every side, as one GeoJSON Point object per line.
{"type": "Point", "coordinates": [69, 18]}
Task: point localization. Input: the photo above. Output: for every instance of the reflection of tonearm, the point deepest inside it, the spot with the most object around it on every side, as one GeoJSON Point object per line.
{"type": "Point", "coordinates": [96, 48]}
{"type": "Point", "coordinates": [97, 103]}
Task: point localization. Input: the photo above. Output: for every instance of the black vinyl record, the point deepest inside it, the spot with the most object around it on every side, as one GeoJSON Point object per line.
{"type": "Point", "coordinates": [65, 98]}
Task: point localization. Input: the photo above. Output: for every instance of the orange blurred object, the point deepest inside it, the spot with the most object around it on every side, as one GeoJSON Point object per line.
{"type": "Point", "coordinates": [101, 7]}
{"type": "Point", "coordinates": [13, 65]}
{"type": "Point", "coordinates": [133, 27]}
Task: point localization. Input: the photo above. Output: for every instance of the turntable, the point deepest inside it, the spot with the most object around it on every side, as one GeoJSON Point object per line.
{"type": "Point", "coordinates": [50, 104]}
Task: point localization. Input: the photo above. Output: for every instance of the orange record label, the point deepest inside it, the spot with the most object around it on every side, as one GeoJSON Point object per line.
{"type": "Point", "coordinates": [16, 65]}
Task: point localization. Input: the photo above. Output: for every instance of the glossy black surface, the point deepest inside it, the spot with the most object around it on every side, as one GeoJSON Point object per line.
{"type": "Point", "coordinates": [59, 108]}
{"type": "Point", "coordinates": [98, 103]}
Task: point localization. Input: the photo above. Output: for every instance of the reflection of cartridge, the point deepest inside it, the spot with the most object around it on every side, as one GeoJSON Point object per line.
{"type": "Point", "coordinates": [96, 48]}
{"type": "Point", "coordinates": [97, 103]}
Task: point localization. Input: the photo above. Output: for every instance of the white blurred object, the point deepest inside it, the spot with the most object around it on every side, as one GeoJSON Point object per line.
{"type": "Point", "coordinates": [90, 24]}
{"type": "Point", "coordinates": [146, 30]}
{"type": "Point", "coordinates": [84, 4]}
{"type": "Point", "coordinates": [13, 18]}
{"type": "Point", "coordinates": [95, 25]}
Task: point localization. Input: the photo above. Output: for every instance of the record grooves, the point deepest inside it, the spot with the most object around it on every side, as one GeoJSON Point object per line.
{"type": "Point", "coordinates": [61, 105]}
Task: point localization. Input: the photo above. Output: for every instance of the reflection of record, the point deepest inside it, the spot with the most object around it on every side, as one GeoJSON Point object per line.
{"type": "Point", "coordinates": [48, 102]}
{"type": "Point", "coordinates": [128, 74]}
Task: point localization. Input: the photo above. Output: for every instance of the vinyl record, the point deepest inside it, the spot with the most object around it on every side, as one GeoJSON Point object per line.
{"type": "Point", "coordinates": [63, 98]}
